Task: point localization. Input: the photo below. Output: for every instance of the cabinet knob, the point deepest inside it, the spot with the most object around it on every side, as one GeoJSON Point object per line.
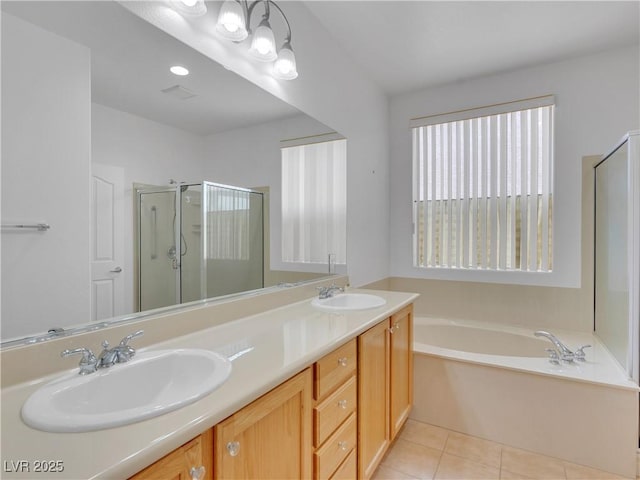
{"type": "Point", "coordinates": [233, 448]}
{"type": "Point", "coordinates": [197, 473]}
{"type": "Point", "coordinates": [343, 445]}
{"type": "Point", "coordinates": [394, 328]}
{"type": "Point", "coordinates": [342, 361]}
{"type": "Point", "coordinates": [342, 404]}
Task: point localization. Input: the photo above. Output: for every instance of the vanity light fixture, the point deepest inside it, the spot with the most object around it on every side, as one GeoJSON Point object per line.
{"type": "Point", "coordinates": [179, 70]}
{"type": "Point", "coordinates": [234, 23]}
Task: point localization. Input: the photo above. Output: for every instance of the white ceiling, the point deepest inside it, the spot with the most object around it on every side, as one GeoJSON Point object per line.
{"type": "Point", "coordinates": [409, 45]}
{"type": "Point", "coordinates": [402, 45]}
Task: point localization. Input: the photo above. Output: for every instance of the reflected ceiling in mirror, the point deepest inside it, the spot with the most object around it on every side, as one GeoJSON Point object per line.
{"type": "Point", "coordinates": [130, 69]}
{"type": "Point", "coordinates": [87, 88]}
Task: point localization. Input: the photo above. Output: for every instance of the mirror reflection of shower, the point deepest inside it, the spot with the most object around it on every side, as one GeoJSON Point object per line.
{"type": "Point", "coordinates": [196, 241]}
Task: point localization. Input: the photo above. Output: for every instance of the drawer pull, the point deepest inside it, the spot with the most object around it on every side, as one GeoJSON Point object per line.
{"type": "Point", "coordinates": [394, 328]}
{"type": "Point", "coordinates": [343, 445]}
{"type": "Point", "coordinates": [342, 361]}
{"type": "Point", "coordinates": [342, 404]}
{"type": "Point", "coordinates": [233, 448]}
{"type": "Point", "coordinates": [197, 473]}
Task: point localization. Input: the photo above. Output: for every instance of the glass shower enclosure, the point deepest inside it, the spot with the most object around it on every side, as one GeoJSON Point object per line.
{"type": "Point", "coordinates": [617, 253]}
{"type": "Point", "coordinates": [197, 241]}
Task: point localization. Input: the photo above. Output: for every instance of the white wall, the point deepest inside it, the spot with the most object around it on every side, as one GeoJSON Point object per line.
{"type": "Point", "coordinates": [149, 153]}
{"type": "Point", "coordinates": [330, 88]}
{"type": "Point", "coordinates": [250, 157]}
{"type": "Point", "coordinates": [46, 121]}
{"type": "Point", "coordinates": [597, 101]}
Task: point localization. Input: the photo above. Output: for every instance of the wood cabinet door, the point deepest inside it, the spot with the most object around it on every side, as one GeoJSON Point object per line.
{"type": "Point", "coordinates": [401, 368]}
{"type": "Point", "coordinates": [373, 398]}
{"type": "Point", "coordinates": [192, 461]}
{"type": "Point", "coordinates": [270, 438]}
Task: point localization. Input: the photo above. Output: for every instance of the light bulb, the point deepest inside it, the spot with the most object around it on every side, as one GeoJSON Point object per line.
{"type": "Point", "coordinates": [193, 8]}
{"type": "Point", "coordinates": [179, 70]}
{"type": "Point", "coordinates": [284, 67]}
{"type": "Point", "coordinates": [263, 45]}
{"type": "Point", "coordinates": [231, 23]}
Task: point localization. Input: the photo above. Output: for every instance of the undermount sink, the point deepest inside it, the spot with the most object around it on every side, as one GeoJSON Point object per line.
{"type": "Point", "coordinates": [151, 384]}
{"type": "Point", "coordinates": [349, 301]}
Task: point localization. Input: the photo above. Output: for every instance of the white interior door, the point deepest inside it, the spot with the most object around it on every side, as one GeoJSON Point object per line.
{"type": "Point", "coordinates": [107, 243]}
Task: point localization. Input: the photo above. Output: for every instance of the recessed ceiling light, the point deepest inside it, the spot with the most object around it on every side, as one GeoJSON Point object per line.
{"type": "Point", "coordinates": [178, 70]}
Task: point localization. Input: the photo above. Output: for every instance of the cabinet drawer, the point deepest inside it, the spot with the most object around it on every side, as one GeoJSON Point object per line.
{"type": "Point", "coordinates": [349, 468]}
{"type": "Point", "coordinates": [335, 449]}
{"type": "Point", "coordinates": [334, 368]}
{"type": "Point", "coordinates": [332, 411]}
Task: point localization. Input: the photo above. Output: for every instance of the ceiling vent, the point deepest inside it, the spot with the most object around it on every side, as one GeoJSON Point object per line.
{"type": "Point", "coordinates": [179, 92]}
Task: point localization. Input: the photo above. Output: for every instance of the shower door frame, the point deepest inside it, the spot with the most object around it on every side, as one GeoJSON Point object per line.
{"type": "Point", "coordinates": [176, 238]}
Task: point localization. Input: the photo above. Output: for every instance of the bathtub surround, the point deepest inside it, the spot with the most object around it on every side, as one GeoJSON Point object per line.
{"type": "Point", "coordinates": [580, 422]}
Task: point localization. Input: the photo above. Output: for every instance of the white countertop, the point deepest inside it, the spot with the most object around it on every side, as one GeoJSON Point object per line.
{"type": "Point", "coordinates": [266, 349]}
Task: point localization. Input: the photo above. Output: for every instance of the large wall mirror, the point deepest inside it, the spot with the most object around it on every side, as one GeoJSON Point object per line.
{"type": "Point", "coordinates": [119, 176]}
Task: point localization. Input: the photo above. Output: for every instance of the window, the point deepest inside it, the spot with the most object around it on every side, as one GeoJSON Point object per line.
{"type": "Point", "coordinates": [314, 200]}
{"type": "Point", "coordinates": [483, 181]}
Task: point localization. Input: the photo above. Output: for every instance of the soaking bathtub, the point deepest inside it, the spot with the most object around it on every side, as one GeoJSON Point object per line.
{"type": "Point", "coordinates": [496, 382]}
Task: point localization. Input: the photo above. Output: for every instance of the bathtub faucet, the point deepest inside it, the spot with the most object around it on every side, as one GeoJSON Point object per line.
{"type": "Point", "coordinates": [561, 352]}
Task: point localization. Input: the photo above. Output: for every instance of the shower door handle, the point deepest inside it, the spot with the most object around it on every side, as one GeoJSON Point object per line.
{"type": "Point", "coordinates": [116, 270]}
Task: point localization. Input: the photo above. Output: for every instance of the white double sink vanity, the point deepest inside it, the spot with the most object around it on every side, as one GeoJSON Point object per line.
{"type": "Point", "coordinates": [302, 385]}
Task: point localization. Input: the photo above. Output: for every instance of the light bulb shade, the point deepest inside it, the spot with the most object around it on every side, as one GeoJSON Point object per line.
{"type": "Point", "coordinates": [263, 43]}
{"type": "Point", "coordinates": [231, 22]}
{"type": "Point", "coordinates": [194, 8]}
{"type": "Point", "coordinates": [284, 67]}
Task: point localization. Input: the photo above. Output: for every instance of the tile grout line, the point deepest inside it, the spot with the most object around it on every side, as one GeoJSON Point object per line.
{"type": "Point", "coordinates": [444, 447]}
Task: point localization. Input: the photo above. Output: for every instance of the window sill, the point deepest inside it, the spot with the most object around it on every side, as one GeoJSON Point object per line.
{"type": "Point", "coordinates": [510, 277]}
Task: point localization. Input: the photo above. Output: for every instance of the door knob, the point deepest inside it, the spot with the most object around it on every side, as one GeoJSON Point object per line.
{"type": "Point", "coordinates": [116, 270]}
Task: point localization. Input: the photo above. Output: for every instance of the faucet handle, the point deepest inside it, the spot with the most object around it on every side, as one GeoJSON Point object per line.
{"type": "Point", "coordinates": [124, 351]}
{"type": "Point", "coordinates": [88, 362]}
{"type": "Point", "coordinates": [579, 353]}
{"type": "Point", "coordinates": [554, 357]}
{"type": "Point", "coordinates": [125, 341]}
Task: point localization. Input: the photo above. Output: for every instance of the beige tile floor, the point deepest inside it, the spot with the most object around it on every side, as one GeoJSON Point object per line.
{"type": "Point", "coordinates": [427, 452]}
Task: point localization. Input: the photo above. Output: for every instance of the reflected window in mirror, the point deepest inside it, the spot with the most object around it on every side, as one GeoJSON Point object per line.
{"type": "Point", "coordinates": [314, 200]}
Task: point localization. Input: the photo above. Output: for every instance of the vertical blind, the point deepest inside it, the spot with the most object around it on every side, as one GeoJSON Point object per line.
{"type": "Point", "coordinates": [483, 188]}
{"type": "Point", "coordinates": [227, 223]}
{"type": "Point", "coordinates": [314, 202]}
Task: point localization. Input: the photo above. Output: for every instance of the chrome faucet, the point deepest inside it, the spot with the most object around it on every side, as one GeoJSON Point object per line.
{"type": "Point", "coordinates": [121, 353]}
{"type": "Point", "coordinates": [327, 292]}
{"type": "Point", "coordinates": [561, 351]}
